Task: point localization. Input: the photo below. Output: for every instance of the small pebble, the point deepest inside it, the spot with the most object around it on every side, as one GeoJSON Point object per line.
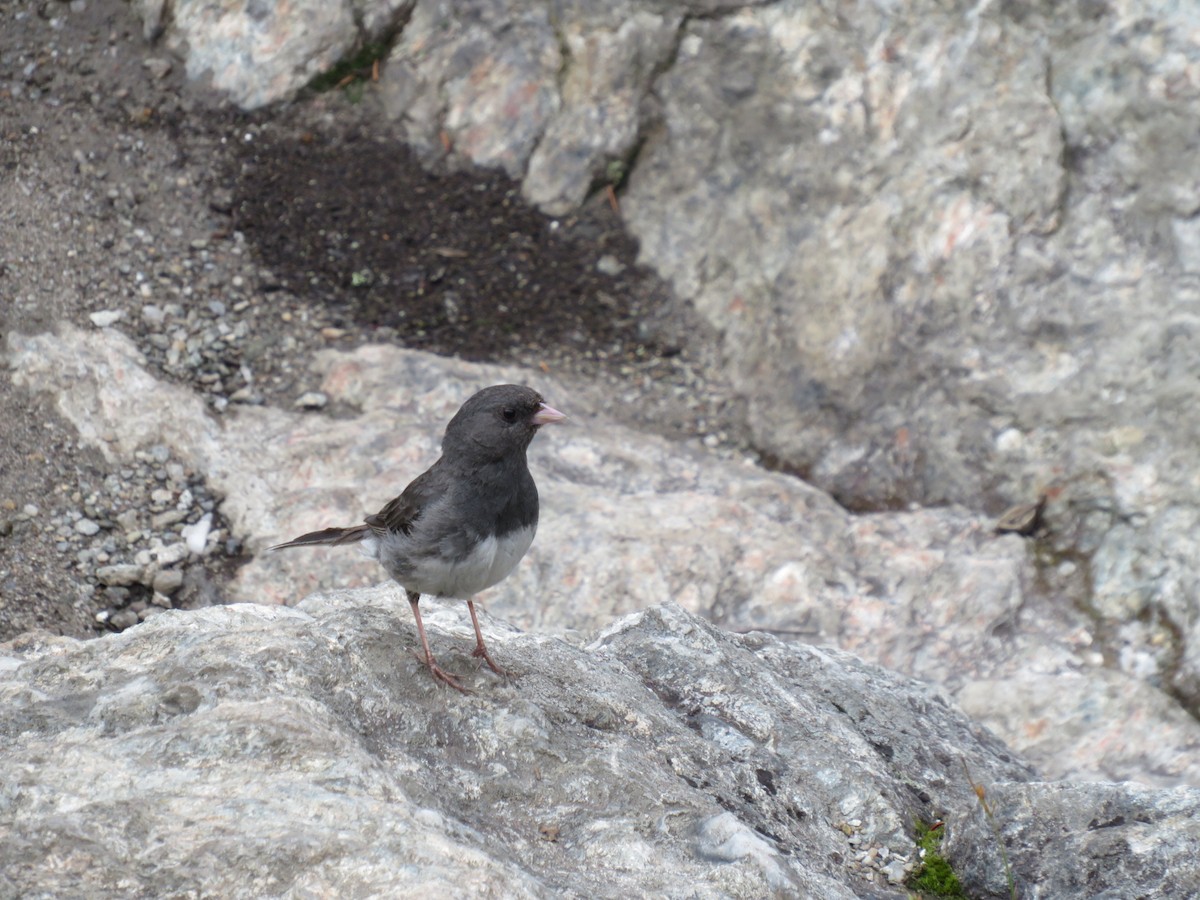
{"type": "Point", "coordinates": [172, 553]}
{"type": "Point", "coordinates": [122, 619]}
{"type": "Point", "coordinates": [196, 535]}
{"type": "Point", "coordinates": [120, 575]}
{"type": "Point", "coordinates": [609, 265]}
{"type": "Point", "coordinates": [166, 519]}
{"type": "Point", "coordinates": [159, 68]}
{"type": "Point", "coordinates": [168, 581]}
{"type": "Point", "coordinates": [106, 317]}
{"type": "Point", "coordinates": [246, 395]}
{"type": "Point", "coordinates": [311, 400]}
{"type": "Point", "coordinates": [87, 527]}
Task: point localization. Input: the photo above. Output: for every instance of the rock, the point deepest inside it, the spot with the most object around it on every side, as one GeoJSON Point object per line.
{"type": "Point", "coordinates": [167, 518]}
{"type": "Point", "coordinates": [246, 395]}
{"type": "Point", "coordinates": [116, 596]}
{"type": "Point", "coordinates": [196, 534]}
{"type": "Point", "coordinates": [260, 56]}
{"type": "Point", "coordinates": [151, 14]}
{"type": "Point", "coordinates": [311, 400]}
{"type": "Point", "coordinates": [609, 69]}
{"type": "Point", "coordinates": [87, 527]}
{"type": "Point", "coordinates": [736, 765]}
{"type": "Point", "coordinates": [162, 496]}
{"type": "Point", "coordinates": [153, 315]}
{"type": "Point", "coordinates": [107, 317]}
{"type": "Point", "coordinates": [158, 67]}
{"type": "Point", "coordinates": [170, 554]}
{"type": "Point", "coordinates": [120, 575]}
{"type": "Point", "coordinates": [609, 265]}
{"type": "Point", "coordinates": [168, 581]}
{"type": "Point", "coordinates": [628, 519]}
{"type": "Point", "coordinates": [492, 98]}
{"type": "Point", "coordinates": [1079, 840]}
{"type": "Point", "coordinates": [122, 619]}
{"type": "Point", "coordinates": [710, 780]}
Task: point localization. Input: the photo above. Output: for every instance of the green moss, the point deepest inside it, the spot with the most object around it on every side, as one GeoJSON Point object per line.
{"type": "Point", "coordinates": [351, 70]}
{"type": "Point", "coordinates": [935, 878]}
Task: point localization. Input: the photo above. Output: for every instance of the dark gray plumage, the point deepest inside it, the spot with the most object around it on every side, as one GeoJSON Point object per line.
{"type": "Point", "coordinates": [463, 524]}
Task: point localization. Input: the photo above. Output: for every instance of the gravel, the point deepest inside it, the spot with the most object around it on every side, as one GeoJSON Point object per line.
{"type": "Point", "coordinates": [131, 535]}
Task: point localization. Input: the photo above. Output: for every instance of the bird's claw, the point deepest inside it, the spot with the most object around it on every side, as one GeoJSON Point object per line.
{"type": "Point", "coordinates": [481, 652]}
{"type": "Point", "coordinates": [442, 675]}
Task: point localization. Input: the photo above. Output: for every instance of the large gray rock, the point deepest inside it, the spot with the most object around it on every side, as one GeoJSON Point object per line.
{"type": "Point", "coordinates": [265, 751]}
{"type": "Point", "coordinates": [830, 193]}
{"type": "Point", "coordinates": [629, 519]}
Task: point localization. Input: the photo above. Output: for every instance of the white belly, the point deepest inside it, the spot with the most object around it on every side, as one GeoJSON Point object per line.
{"type": "Point", "coordinates": [491, 561]}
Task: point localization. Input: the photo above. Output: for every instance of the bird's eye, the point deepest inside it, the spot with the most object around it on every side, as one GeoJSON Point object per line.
{"type": "Point", "coordinates": [509, 414]}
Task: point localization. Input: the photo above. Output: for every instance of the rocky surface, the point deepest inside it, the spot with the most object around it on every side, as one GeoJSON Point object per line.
{"type": "Point", "coordinates": [272, 750]}
{"type": "Point", "coordinates": [940, 248]}
{"type": "Point", "coordinates": [946, 257]}
{"type": "Point", "coordinates": [629, 519]}
{"type": "Point", "coordinates": [1078, 840]}
{"type": "Point", "coordinates": [256, 750]}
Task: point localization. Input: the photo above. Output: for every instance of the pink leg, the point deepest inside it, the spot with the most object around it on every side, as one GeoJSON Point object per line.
{"type": "Point", "coordinates": [434, 669]}
{"type": "Point", "coordinates": [480, 649]}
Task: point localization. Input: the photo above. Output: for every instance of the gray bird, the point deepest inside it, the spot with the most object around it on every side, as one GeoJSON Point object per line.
{"type": "Point", "coordinates": [463, 524]}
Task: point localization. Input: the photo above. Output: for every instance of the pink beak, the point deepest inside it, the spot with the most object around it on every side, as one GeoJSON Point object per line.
{"type": "Point", "coordinates": [547, 415]}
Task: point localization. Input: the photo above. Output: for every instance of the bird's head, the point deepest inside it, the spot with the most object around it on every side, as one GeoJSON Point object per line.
{"type": "Point", "coordinates": [499, 420]}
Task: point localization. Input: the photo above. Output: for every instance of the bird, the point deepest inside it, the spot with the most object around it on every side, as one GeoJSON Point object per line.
{"type": "Point", "coordinates": [464, 523]}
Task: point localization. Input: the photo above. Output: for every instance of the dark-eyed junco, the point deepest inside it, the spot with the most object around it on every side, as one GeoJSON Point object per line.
{"type": "Point", "coordinates": [464, 523]}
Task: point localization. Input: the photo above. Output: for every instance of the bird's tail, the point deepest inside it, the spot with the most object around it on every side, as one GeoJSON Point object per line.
{"type": "Point", "coordinates": [332, 536]}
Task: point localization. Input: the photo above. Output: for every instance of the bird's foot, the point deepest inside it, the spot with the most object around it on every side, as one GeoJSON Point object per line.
{"type": "Point", "coordinates": [442, 675]}
{"type": "Point", "coordinates": [481, 651]}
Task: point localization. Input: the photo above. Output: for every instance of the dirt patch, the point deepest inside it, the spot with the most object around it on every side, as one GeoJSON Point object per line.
{"type": "Point", "coordinates": [450, 262]}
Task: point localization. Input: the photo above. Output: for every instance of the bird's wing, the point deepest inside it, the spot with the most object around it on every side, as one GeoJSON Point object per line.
{"type": "Point", "coordinates": [401, 513]}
